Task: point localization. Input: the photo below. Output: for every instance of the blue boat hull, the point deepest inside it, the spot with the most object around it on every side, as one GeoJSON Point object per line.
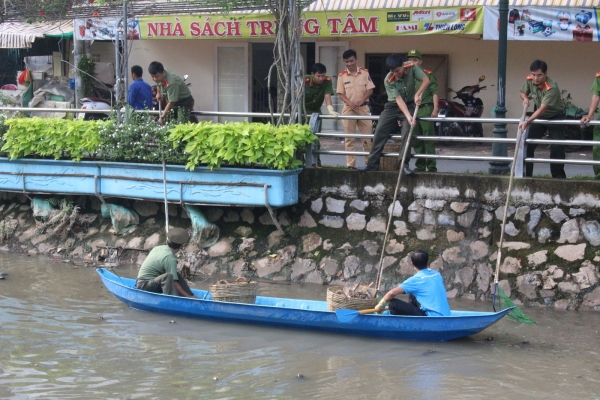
{"type": "Point", "coordinates": [301, 314]}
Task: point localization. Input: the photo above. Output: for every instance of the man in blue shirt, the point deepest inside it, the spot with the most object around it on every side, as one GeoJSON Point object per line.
{"type": "Point", "coordinates": [140, 93]}
{"type": "Point", "coordinates": [426, 290]}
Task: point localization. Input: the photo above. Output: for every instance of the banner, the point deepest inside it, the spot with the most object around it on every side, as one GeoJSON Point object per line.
{"type": "Point", "coordinates": [99, 28]}
{"type": "Point", "coordinates": [331, 24]}
{"type": "Point", "coordinates": [544, 23]}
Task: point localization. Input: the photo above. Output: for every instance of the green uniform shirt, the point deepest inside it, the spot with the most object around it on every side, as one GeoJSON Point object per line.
{"type": "Point", "coordinates": [596, 86]}
{"type": "Point", "coordinates": [174, 88]}
{"type": "Point", "coordinates": [406, 87]}
{"type": "Point", "coordinates": [314, 94]}
{"type": "Point", "coordinates": [547, 93]}
{"type": "Point", "coordinates": [160, 260]}
{"type": "Point", "coordinates": [427, 96]}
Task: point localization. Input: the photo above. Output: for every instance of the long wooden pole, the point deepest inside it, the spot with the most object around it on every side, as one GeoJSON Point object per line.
{"type": "Point", "coordinates": [506, 203]}
{"type": "Point", "coordinates": [389, 223]}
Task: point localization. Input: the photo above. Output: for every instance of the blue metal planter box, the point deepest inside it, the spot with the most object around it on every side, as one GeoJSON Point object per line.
{"type": "Point", "coordinates": [47, 176]}
{"type": "Point", "coordinates": [226, 186]}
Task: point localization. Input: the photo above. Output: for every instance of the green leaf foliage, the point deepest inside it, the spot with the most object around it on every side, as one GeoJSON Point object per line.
{"type": "Point", "coordinates": [241, 144]}
{"type": "Point", "coordinates": [141, 140]}
{"type": "Point", "coordinates": [53, 137]}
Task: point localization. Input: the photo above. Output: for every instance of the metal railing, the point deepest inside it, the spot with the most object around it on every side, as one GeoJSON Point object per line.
{"type": "Point", "coordinates": [521, 159]}
{"type": "Point", "coordinates": [315, 150]}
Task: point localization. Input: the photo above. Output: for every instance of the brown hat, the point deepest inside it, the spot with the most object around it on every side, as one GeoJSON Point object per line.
{"type": "Point", "coordinates": [178, 236]}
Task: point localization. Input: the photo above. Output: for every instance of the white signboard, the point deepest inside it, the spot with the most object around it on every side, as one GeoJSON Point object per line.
{"type": "Point", "coordinates": [544, 23]}
{"type": "Point", "coordinates": [98, 28]}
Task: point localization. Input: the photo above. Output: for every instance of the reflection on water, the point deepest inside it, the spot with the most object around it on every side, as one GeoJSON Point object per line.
{"type": "Point", "coordinates": [62, 336]}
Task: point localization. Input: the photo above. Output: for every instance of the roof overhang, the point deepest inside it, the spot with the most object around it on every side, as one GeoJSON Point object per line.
{"type": "Point", "coordinates": [20, 35]}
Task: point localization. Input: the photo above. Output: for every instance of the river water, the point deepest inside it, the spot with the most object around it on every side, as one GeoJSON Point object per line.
{"type": "Point", "coordinates": [64, 336]}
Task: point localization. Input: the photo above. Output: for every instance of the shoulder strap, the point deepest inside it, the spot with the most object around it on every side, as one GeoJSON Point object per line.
{"type": "Point", "coordinates": [344, 72]}
{"type": "Point", "coordinates": [327, 78]}
{"type": "Point", "coordinates": [529, 77]}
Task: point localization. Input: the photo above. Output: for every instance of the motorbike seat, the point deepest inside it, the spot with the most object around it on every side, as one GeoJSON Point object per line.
{"type": "Point", "coordinates": [95, 99]}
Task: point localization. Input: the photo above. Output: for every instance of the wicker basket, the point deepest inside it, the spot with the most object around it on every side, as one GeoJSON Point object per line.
{"type": "Point", "coordinates": [239, 291]}
{"type": "Point", "coordinates": [337, 299]}
{"type": "Point", "coordinates": [387, 163]}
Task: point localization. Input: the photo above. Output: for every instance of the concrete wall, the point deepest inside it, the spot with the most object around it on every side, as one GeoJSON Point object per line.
{"type": "Point", "coordinates": [192, 57]}
{"type": "Point", "coordinates": [335, 235]}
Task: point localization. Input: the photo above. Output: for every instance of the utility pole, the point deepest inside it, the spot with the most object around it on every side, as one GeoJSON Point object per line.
{"type": "Point", "coordinates": [500, 131]}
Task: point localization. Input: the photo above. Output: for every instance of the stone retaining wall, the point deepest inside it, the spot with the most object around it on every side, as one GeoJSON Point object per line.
{"type": "Point", "coordinates": [335, 235]}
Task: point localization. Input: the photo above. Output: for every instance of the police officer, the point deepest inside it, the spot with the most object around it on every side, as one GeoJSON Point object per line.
{"type": "Point", "coordinates": [593, 106]}
{"type": "Point", "coordinates": [318, 87]}
{"type": "Point", "coordinates": [175, 90]}
{"type": "Point", "coordinates": [404, 84]}
{"type": "Point", "coordinates": [428, 108]}
{"type": "Point", "coordinates": [158, 273]}
{"type": "Point", "coordinates": [354, 86]}
{"type": "Point", "coordinates": [549, 105]}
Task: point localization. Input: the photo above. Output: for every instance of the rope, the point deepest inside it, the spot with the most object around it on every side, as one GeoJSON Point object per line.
{"type": "Point", "coordinates": [389, 223]}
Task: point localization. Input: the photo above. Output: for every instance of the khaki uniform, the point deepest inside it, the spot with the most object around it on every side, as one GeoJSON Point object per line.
{"type": "Point", "coordinates": [596, 151]}
{"type": "Point", "coordinates": [175, 90]}
{"type": "Point", "coordinates": [426, 128]}
{"type": "Point", "coordinates": [355, 87]}
{"type": "Point", "coordinates": [314, 95]}
{"type": "Point", "coordinates": [547, 93]}
{"type": "Point", "coordinates": [406, 87]}
{"type": "Point", "coordinates": [159, 271]}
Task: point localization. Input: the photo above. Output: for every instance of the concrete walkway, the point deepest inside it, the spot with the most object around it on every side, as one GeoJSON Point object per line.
{"type": "Point", "coordinates": [475, 149]}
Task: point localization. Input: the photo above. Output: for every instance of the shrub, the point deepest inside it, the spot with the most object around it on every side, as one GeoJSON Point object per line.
{"type": "Point", "coordinates": [51, 137]}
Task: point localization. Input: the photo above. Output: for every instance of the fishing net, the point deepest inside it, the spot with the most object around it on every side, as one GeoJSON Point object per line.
{"type": "Point", "coordinates": [503, 301]}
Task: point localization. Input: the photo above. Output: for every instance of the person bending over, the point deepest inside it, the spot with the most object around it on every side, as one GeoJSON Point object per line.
{"type": "Point", "coordinates": [158, 273]}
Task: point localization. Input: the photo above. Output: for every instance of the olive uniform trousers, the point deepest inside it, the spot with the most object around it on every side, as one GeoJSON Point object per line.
{"type": "Point", "coordinates": [163, 284]}
{"type": "Point", "coordinates": [596, 152]}
{"type": "Point", "coordinates": [424, 128]}
{"type": "Point", "coordinates": [388, 125]}
{"type": "Point", "coordinates": [557, 151]}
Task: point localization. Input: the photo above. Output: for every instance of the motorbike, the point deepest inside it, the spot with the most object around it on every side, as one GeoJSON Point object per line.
{"type": "Point", "coordinates": [471, 107]}
{"type": "Point", "coordinates": [102, 100]}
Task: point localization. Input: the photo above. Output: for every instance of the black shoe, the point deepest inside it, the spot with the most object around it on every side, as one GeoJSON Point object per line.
{"type": "Point", "coordinates": [367, 168]}
{"type": "Point", "coordinates": [407, 171]}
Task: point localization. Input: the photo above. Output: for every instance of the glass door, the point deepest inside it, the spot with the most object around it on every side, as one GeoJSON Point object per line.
{"type": "Point", "coordinates": [330, 54]}
{"type": "Point", "coordinates": [231, 83]}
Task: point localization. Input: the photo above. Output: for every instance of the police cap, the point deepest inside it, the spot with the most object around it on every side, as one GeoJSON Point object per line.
{"type": "Point", "coordinates": [414, 53]}
{"type": "Point", "coordinates": [178, 236]}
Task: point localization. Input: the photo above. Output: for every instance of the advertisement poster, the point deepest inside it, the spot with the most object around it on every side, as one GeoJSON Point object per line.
{"type": "Point", "coordinates": [99, 28]}
{"type": "Point", "coordinates": [401, 22]}
{"type": "Point", "coordinates": [544, 23]}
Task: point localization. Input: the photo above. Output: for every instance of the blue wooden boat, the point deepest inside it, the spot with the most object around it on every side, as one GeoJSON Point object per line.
{"type": "Point", "coordinates": [301, 314]}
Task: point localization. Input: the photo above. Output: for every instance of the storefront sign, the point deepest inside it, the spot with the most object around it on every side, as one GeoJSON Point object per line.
{"type": "Point", "coordinates": [324, 25]}
{"type": "Point", "coordinates": [98, 28]}
{"type": "Point", "coordinates": [544, 23]}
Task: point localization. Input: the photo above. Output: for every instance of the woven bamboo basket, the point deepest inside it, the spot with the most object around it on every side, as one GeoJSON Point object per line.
{"type": "Point", "coordinates": [387, 163]}
{"type": "Point", "coordinates": [239, 291]}
{"type": "Point", "coordinates": [337, 299]}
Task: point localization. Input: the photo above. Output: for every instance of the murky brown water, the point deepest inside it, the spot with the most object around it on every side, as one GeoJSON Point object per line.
{"type": "Point", "coordinates": [62, 336]}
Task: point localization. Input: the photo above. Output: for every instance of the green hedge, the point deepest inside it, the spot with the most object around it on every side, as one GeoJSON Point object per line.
{"type": "Point", "coordinates": [239, 144]}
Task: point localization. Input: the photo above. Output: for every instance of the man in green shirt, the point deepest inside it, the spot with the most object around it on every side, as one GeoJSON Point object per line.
{"type": "Point", "coordinates": [175, 90]}
{"type": "Point", "coordinates": [404, 84]}
{"type": "Point", "coordinates": [318, 87]}
{"type": "Point", "coordinates": [549, 105]}
{"type": "Point", "coordinates": [158, 273]}
{"type": "Point", "coordinates": [593, 106]}
{"type": "Point", "coordinates": [428, 108]}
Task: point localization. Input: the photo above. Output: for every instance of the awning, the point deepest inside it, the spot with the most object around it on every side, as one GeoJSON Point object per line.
{"type": "Point", "coordinates": [20, 35]}
{"type": "Point", "coordinates": [337, 5]}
